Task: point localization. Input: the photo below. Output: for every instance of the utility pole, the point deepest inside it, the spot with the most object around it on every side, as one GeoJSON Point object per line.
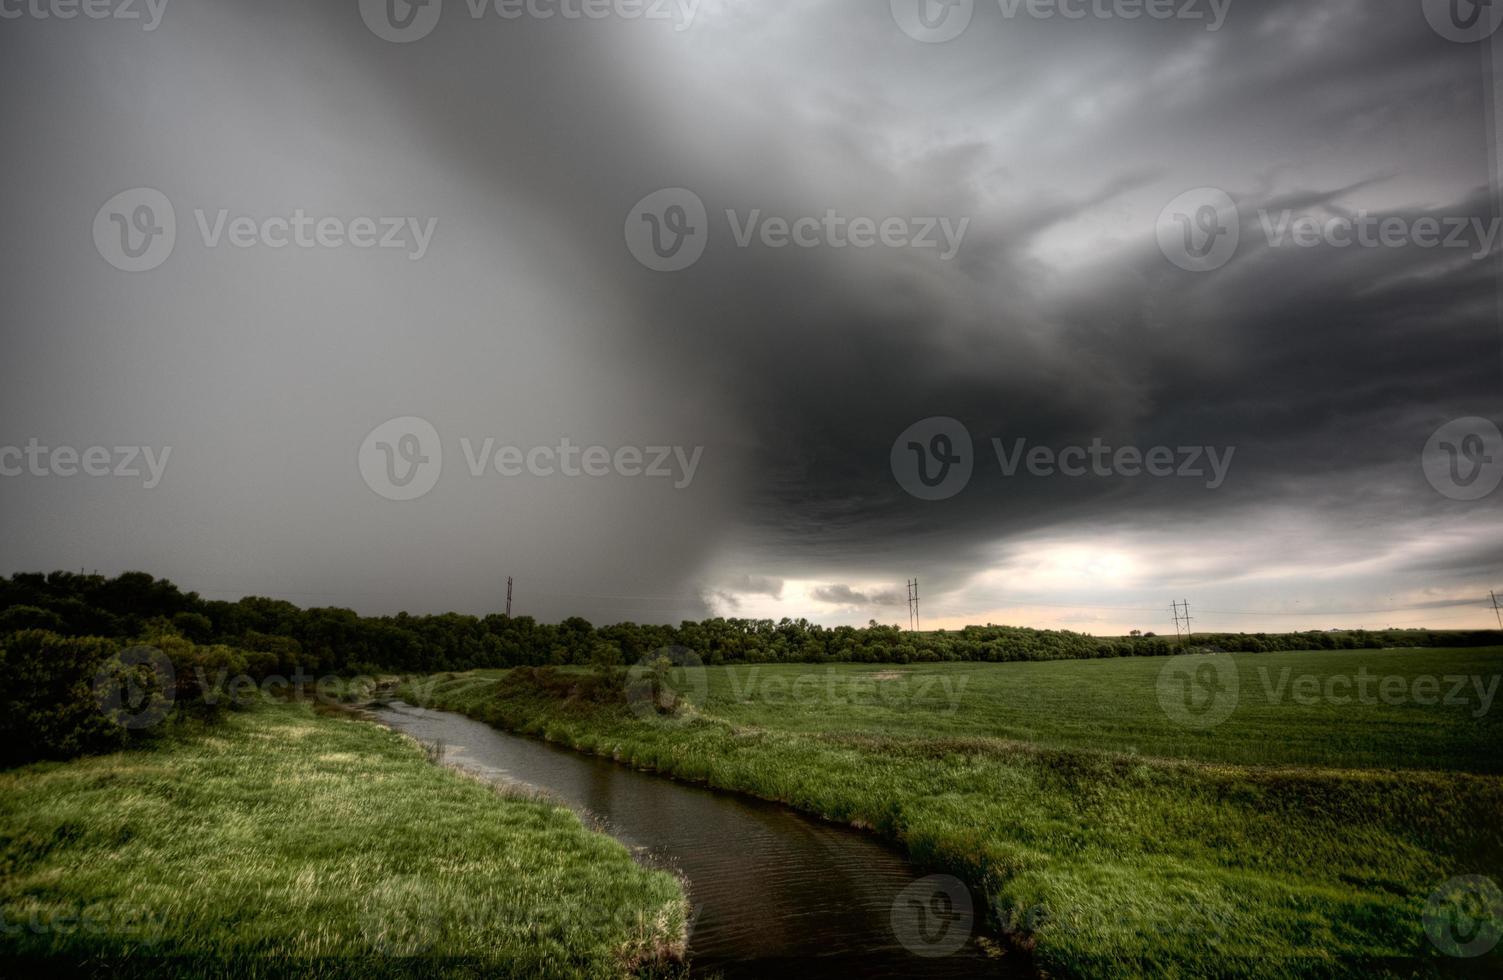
{"type": "Point", "coordinates": [1496, 611]}
{"type": "Point", "coordinates": [1178, 613]}
{"type": "Point", "coordinates": [508, 597]}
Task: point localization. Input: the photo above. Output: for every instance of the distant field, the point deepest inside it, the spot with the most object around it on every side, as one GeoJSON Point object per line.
{"type": "Point", "coordinates": [283, 843]}
{"type": "Point", "coordinates": [1291, 839]}
{"type": "Point", "coordinates": [1115, 705]}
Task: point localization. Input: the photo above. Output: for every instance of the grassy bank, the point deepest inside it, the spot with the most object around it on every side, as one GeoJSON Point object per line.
{"type": "Point", "coordinates": [1023, 781]}
{"type": "Point", "coordinates": [284, 842]}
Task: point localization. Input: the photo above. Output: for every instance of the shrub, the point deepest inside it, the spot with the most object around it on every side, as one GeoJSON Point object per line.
{"type": "Point", "coordinates": [49, 707]}
{"type": "Point", "coordinates": [18, 618]}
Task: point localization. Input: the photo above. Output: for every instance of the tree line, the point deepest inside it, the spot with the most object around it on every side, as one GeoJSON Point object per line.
{"type": "Point", "coordinates": [279, 636]}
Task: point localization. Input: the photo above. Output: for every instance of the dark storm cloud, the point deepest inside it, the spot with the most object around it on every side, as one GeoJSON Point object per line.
{"type": "Point", "coordinates": [1057, 321]}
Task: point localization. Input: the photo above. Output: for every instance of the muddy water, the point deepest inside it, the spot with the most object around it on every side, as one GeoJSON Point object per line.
{"type": "Point", "coordinates": [773, 890]}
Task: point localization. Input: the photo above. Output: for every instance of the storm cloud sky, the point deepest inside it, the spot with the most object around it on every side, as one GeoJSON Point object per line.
{"type": "Point", "coordinates": [1054, 143]}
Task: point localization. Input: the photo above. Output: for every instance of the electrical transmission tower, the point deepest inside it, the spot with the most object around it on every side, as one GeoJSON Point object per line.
{"type": "Point", "coordinates": [913, 606]}
{"type": "Point", "coordinates": [1181, 614]}
{"type": "Point", "coordinates": [508, 597]}
{"type": "Point", "coordinates": [1496, 610]}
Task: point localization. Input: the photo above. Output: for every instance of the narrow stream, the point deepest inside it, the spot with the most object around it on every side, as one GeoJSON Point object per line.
{"type": "Point", "coordinates": [772, 889]}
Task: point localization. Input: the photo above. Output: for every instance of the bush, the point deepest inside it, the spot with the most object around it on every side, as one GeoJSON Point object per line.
{"type": "Point", "coordinates": [18, 618]}
{"type": "Point", "coordinates": [49, 708]}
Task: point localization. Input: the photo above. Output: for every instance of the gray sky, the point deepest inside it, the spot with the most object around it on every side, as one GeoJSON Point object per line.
{"type": "Point", "coordinates": [522, 147]}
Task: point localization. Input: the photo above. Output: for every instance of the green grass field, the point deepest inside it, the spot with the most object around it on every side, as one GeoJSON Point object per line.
{"type": "Point", "coordinates": [1291, 839]}
{"type": "Point", "coordinates": [284, 842]}
{"type": "Point", "coordinates": [1114, 705]}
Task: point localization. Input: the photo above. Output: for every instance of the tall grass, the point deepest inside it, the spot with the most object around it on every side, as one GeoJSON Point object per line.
{"type": "Point", "coordinates": [282, 842]}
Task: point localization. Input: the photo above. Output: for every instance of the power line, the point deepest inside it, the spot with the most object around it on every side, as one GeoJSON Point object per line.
{"type": "Point", "coordinates": [1175, 606]}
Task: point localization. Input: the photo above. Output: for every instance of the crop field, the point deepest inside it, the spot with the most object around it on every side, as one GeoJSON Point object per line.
{"type": "Point", "coordinates": [1411, 709]}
